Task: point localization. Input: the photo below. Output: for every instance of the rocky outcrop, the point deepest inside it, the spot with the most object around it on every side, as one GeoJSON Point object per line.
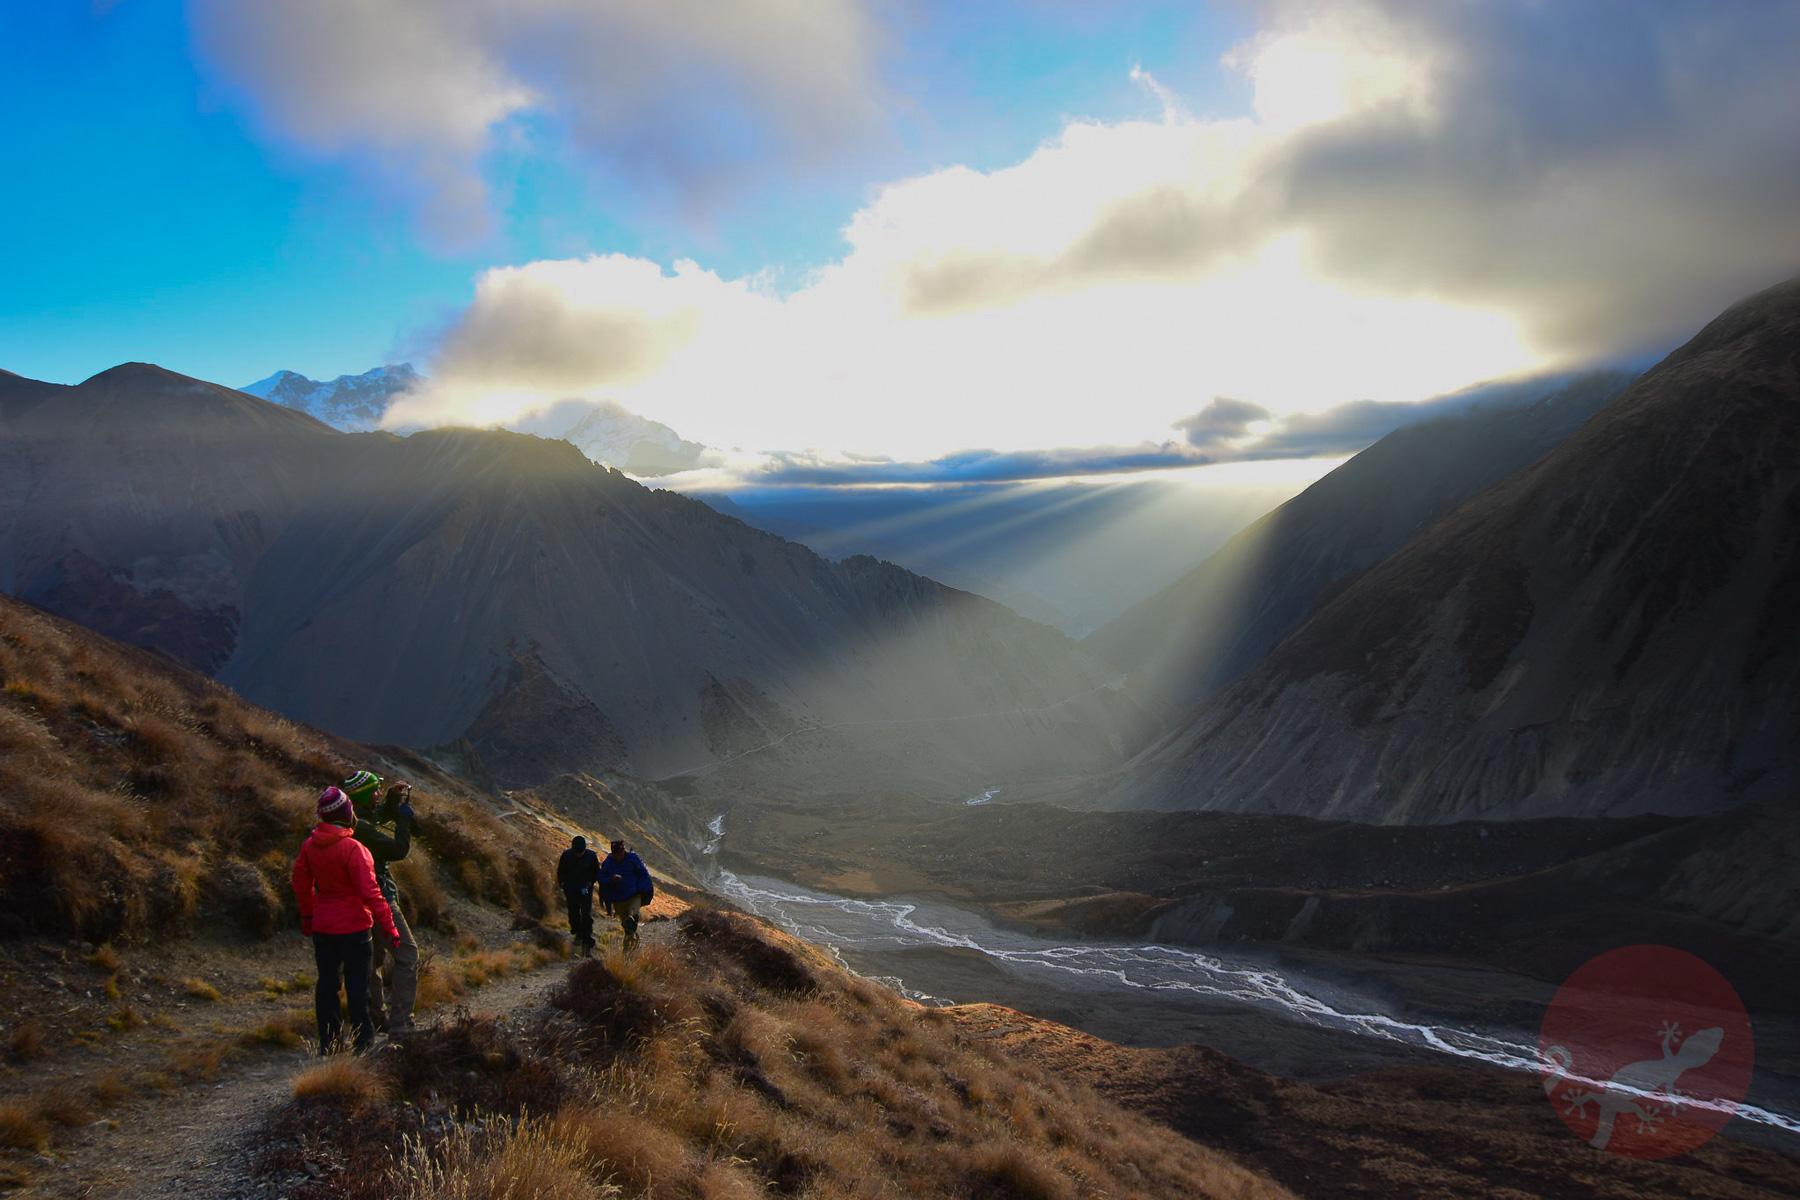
{"type": "Point", "coordinates": [1610, 631]}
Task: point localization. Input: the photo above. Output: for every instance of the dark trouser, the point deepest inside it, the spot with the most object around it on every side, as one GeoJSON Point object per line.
{"type": "Point", "coordinates": [345, 955]}
{"type": "Point", "coordinates": [580, 903]}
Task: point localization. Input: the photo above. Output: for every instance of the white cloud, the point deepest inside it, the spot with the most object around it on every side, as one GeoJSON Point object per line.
{"type": "Point", "coordinates": [1427, 195]}
{"type": "Point", "coordinates": [688, 92]}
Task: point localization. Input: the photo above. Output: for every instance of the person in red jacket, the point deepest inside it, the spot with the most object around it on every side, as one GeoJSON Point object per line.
{"type": "Point", "coordinates": [340, 902]}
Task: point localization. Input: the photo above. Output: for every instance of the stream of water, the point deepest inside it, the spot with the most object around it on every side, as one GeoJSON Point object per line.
{"type": "Point", "coordinates": [864, 932]}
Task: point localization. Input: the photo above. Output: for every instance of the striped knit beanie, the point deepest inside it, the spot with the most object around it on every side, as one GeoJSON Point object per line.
{"type": "Point", "coordinates": [334, 806]}
{"type": "Point", "coordinates": [362, 788]}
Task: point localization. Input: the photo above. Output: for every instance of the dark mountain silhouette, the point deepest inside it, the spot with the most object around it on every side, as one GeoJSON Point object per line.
{"type": "Point", "coordinates": [502, 589]}
{"type": "Point", "coordinates": [1214, 623]}
{"type": "Point", "coordinates": [1610, 631]}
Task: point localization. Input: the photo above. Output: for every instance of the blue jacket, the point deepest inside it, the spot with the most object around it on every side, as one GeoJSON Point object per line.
{"type": "Point", "coordinates": [623, 878]}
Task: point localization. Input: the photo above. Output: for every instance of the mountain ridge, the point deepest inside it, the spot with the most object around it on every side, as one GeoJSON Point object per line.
{"type": "Point", "coordinates": [385, 586]}
{"type": "Point", "coordinates": [1219, 619]}
{"type": "Point", "coordinates": [1606, 632]}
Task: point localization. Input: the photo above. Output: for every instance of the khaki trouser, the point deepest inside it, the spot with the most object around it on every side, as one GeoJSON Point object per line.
{"type": "Point", "coordinates": [392, 990]}
{"type": "Point", "coordinates": [627, 912]}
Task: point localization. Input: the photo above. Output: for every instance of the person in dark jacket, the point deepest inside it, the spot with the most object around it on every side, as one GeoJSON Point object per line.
{"type": "Point", "coordinates": [339, 901]}
{"type": "Point", "coordinates": [576, 873]}
{"type": "Point", "coordinates": [625, 888]}
{"type": "Point", "coordinates": [395, 966]}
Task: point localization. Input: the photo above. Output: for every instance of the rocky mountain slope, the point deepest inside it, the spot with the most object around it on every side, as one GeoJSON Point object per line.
{"type": "Point", "coordinates": [1218, 620]}
{"type": "Point", "coordinates": [350, 402]}
{"type": "Point", "coordinates": [503, 591]}
{"type": "Point", "coordinates": [1609, 631]}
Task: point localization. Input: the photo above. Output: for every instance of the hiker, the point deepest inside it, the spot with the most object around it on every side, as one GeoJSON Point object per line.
{"type": "Point", "coordinates": [396, 966]}
{"type": "Point", "coordinates": [576, 872]}
{"type": "Point", "coordinates": [625, 888]}
{"type": "Point", "coordinates": [340, 901]}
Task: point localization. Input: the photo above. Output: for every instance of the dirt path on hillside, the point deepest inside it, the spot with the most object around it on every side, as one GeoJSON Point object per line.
{"type": "Point", "coordinates": [196, 1143]}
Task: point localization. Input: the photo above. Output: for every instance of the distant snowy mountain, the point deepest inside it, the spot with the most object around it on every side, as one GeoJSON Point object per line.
{"type": "Point", "coordinates": [605, 432]}
{"type": "Point", "coordinates": [610, 435]}
{"type": "Point", "coordinates": [355, 403]}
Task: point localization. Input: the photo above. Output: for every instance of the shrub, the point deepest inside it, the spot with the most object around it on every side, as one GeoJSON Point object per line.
{"type": "Point", "coordinates": [621, 999]}
{"type": "Point", "coordinates": [21, 1128]}
{"type": "Point", "coordinates": [422, 896]}
{"type": "Point", "coordinates": [240, 891]}
{"type": "Point", "coordinates": [472, 1066]}
{"type": "Point", "coordinates": [62, 1105]}
{"type": "Point", "coordinates": [766, 964]}
{"type": "Point", "coordinates": [26, 1042]}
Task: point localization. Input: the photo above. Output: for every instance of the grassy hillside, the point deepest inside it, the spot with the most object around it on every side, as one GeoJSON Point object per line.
{"type": "Point", "coordinates": [149, 947]}
{"type": "Point", "coordinates": [729, 1061]}
{"type": "Point", "coordinates": [140, 800]}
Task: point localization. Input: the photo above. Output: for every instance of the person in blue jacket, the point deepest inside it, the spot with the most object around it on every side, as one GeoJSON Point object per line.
{"type": "Point", "coordinates": [625, 888]}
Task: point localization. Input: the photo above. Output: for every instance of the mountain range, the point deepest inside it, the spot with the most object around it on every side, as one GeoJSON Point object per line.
{"type": "Point", "coordinates": [355, 403]}
{"type": "Point", "coordinates": [1609, 630]}
{"type": "Point", "coordinates": [602, 430]}
{"type": "Point", "coordinates": [502, 592]}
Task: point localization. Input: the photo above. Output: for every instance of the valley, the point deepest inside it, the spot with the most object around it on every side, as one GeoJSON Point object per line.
{"type": "Point", "coordinates": [934, 793]}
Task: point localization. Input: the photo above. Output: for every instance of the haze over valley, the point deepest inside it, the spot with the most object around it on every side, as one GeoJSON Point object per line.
{"type": "Point", "coordinates": [1185, 600]}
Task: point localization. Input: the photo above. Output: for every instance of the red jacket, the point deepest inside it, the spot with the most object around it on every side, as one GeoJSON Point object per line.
{"type": "Point", "coordinates": [334, 881]}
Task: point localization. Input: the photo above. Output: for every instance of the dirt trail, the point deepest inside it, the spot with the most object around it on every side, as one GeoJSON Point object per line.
{"type": "Point", "coordinates": [195, 1143]}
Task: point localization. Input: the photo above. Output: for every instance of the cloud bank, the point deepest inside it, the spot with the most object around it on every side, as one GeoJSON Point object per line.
{"type": "Point", "coordinates": [1424, 195]}
{"type": "Point", "coordinates": [691, 93]}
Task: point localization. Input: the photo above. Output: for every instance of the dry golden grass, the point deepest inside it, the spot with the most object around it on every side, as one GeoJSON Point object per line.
{"type": "Point", "coordinates": [116, 766]}
{"type": "Point", "coordinates": [27, 1041]}
{"type": "Point", "coordinates": [200, 989]}
{"type": "Point", "coordinates": [21, 1128]}
{"type": "Point", "coordinates": [523, 1163]}
{"type": "Point", "coordinates": [626, 1149]}
{"type": "Point", "coordinates": [427, 904]}
{"type": "Point", "coordinates": [63, 1105]}
{"type": "Point", "coordinates": [740, 1063]}
{"type": "Point", "coordinates": [289, 1029]}
{"type": "Point", "coordinates": [341, 1079]}
{"type": "Point", "coordinates": [1012, 1170]}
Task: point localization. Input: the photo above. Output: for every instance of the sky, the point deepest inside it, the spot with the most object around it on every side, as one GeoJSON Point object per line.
{"type": "Point", "coordinates": [897, 241]}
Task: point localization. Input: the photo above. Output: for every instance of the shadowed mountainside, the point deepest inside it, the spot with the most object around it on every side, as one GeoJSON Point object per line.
{"type": "Point", "coordinates": [1217, 621]}
{"type": "Point", "coordinates": [1610, 631]}
{"type": "Point", "coordinates": [501, 590]}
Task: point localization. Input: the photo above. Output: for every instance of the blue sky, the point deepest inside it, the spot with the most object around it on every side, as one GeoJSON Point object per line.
{"type": "Point", "coordinates": [895, 237]}
{"type": "Point", "coordinates": [160, 220]}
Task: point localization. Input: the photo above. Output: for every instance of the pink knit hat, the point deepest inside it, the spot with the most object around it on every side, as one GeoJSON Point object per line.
{"type": "Point", "coordinates": [334, 806]}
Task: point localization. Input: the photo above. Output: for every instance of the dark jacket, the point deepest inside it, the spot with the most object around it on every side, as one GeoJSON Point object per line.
{"type": "Point", "coordinates": [577, 870]}
{"type": "Point", "coordinates": [623, 878]}
{"type": "Point", "coordinates": [386, 847]}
